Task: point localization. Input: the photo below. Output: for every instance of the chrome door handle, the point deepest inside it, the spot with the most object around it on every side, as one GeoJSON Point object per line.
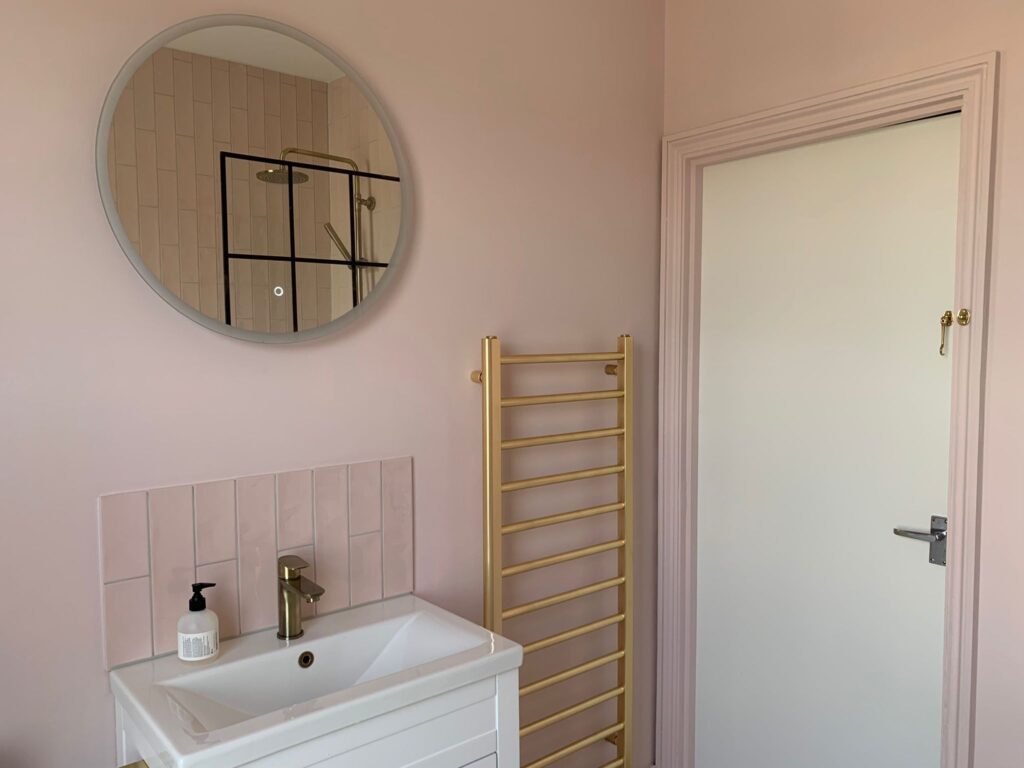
{"type": "Point", "coordinates": [936, 539]}
{"type": "Point", "coordinates": [919, 535]}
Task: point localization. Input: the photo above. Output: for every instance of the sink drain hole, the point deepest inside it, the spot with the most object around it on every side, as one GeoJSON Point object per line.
{"type": "Point", "coordinates": [306, 659]}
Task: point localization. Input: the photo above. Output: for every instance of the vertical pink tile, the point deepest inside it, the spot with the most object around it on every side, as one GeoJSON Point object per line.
{"type": "Point", "coordinates": [163, 71]}
{"type": "Point", "coordinates": [271, 92]}
{"type": "Point", "coordinates": [304, 133]}
{"type": "Point", "coordinates": [330, 495]}
{"type": "Point", "coordinates": [164, 108]}
{"type": "Point", "coordinates": [167, 192]}
{"type": "Point", "coordinates": [184, 124]}
{"type": "Point", "coordinates": [149, 238]}
{"type": "Point", "coordinates": [305, 279]}
{"type": "Point", "coordinates": [185, 151]}
{"type": "Point", "coordinates": [128, 200]}
{"type": "Point", "coordinates": [239, 143]}
{"type": "Point", "coordinates": [188, 246]}
{"type": "Point", "coordinates": [209, 290]}
{"type": "Point", "coordinates": [222, 599]}
{"type": "Point", "coordinates": [239, 211]}
{"type": "Point", "coordinates": [288, 129]}
{"type": "Point", "coordinates": [124, 128]}
{"type": "Point", "coordinates": [206, 211]}
{"type": "Point", "coordinates": [215, 521]}
{"type": "Point", "coordinates": [272, 126]}
{"type": "Point", "coordinates": [255, 111]}
{"type": "Point", "coordinates": [303, 104]}
{"type": "Point", "coordinates": [145, 148]}
{"type": "Point", "coordinates": [257, 552]}
{"type": "Point", "coordinates": [125, 545]}
{"type": "Point", "coordinates": [238, 85]}
{"type": "Point", "coordinates": [128, 634]}
{"type": "Point", "coordinates": [307, 554]}
{"type": "Point", "coordinates": [364, 497]}
{"type": "Point", "coordinates": [170, 268]}
{"type": "Point", "coordinates": [172, 544]}
{"type": "Point", "coordinates": [190, 294]}
{"type": "Point", "coordinates": [396, 506]}
{"type": "Point", "coordinates": [294, 509]}
{"type": "Point", "coordinates": [204, 138]}
{"type": "Point", "coordinates": [142, 84]}
{"type": "Point", "coordinates": [319, 99]}
{"type": "Point", "coordinates": [365, 559]}
{"type": "Point", "coordinates": [201, 89]}
{"type": "Point", "coordinates": [221, 105]}
{"type": "Point", "coordinates": [305, 218]}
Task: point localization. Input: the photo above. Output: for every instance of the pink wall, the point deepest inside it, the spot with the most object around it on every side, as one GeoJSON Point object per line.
{"type": "Point", "coordinates": [532, 129]}
{"type": "Point", "coordinates": [725, 58]}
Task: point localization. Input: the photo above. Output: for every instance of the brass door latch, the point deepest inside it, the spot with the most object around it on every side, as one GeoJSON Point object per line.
{"type": "Point", "coordinates": [945, 321]}
{"type": "Point", "coordinates": [963, 317]}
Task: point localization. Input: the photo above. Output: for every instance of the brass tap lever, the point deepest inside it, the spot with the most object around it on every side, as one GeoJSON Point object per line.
{"type": "Point", "coordinates": [293, 590]}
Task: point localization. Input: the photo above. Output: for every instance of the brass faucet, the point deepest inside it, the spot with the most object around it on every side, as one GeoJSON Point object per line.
{"type": "Point", "coordinates": [293, 590]}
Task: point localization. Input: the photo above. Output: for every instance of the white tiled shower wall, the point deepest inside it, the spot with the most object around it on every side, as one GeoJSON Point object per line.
{"type": "Point", "coordinates": [177, 114]}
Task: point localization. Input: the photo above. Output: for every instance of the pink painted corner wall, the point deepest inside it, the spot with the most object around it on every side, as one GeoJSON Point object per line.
{"type": "Point", "coordinates": [352, 524]}
{"type": "Point", "coordinates": [725, 58]}
{"type": "Point", "coordinates": [533, 131]}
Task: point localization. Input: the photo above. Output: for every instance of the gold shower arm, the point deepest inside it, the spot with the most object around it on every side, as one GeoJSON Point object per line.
{"type": "Point", "coordinates": [320, 155]}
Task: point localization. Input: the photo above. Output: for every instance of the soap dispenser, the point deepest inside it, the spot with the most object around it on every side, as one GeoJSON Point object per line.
{"type": "Point", "coordinates": [199, 629]}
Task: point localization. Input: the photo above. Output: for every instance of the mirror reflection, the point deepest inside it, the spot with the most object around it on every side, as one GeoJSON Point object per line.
{"type": "Point", "coordinates": [254, 179]}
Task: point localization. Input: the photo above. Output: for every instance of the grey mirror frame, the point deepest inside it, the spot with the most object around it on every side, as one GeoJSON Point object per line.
{"type": "Point", "coordinates": [103, 130]}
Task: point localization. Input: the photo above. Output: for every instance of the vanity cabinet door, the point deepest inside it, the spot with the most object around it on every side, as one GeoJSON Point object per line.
{"type": "Point", "coordinates": [491, 761]}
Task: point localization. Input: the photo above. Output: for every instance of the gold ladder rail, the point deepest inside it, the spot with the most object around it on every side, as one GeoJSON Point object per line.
{"type": "Point", "coordinates": [619, 364]}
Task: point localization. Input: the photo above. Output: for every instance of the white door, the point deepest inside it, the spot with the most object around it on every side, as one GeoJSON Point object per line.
{"type": "Point", "coordinates": [824, 419]}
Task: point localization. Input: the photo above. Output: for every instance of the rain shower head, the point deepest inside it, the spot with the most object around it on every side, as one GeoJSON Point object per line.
{"type": "Point", "coordinates": [280, 176]}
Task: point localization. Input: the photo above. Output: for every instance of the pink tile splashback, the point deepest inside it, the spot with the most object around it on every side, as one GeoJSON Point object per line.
{"type": "Point", "coordinates": [257, 550]}
{"type": "Point", "coordinates": [295, 509]}
{"type": "Point", "coordinates": [123, 531]}
{"type": "Point", "coordinates": [173, 559]}
{"type": "Point", "coordinates": [215, 522]}
{"type": "Point", "coordinates": [330, 512]}
{"type": "Point", "coordinates": [364, 497]}
{"type": "Point", "coordinates": [352, 523]}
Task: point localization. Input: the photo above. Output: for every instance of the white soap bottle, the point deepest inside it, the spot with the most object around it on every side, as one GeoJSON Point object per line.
{"type": "Point", "coordinates": [199, 629]}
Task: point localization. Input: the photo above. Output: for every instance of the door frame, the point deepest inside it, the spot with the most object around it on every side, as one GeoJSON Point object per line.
{"type": "Point", "coordinates": [969, 86]}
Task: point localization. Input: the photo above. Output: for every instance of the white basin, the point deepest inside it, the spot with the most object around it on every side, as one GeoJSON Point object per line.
{"type": "Point", "coordinates": [256, 699]}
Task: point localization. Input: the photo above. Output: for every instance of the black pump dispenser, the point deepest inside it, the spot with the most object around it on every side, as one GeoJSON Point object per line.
{"type": "Point", "coordinates": [198, 601]}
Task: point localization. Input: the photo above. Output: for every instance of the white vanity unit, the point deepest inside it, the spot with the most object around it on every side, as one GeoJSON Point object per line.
{"type": "Point", "coordinates": [396, 683]}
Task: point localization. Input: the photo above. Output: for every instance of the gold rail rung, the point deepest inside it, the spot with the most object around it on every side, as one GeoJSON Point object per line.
{"type": "Point", "coordinates": [562, 557]}
{"type": "Point", "coordinates": [561, 397]}
{"type": "Point", "coordinates": [563, 597]}
{"type": "Point", "coordinates": [562, 714]}
{"type": "Point", "coordinates": [569, 634]}
{"type": "Point", "coordinates": [565, 357]}
{"type": "Point", "coordinates": [575, 746]}
{"type": "Point", "coordinates": [579, 669]}
{"type": "Point", "coordinates": [615, 764]}
{"type": "Point", "coordinates": [564, 437]}
{"type": "Point", "coordinates": [562, 477]}
{"type": "Point", "coordinates": [563, 517]}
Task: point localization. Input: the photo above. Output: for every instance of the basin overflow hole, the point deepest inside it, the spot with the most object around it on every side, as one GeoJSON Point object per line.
{"type": "Point", "coordinates": [305, 659]}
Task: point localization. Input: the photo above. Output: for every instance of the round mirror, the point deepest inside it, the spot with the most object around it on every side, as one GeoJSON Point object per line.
{"type": "Point", "coordinates": [252, 179]}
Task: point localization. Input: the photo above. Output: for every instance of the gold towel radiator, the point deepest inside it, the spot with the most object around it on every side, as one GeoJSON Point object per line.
{"type": "Point", "coordinates": [620, 365]}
